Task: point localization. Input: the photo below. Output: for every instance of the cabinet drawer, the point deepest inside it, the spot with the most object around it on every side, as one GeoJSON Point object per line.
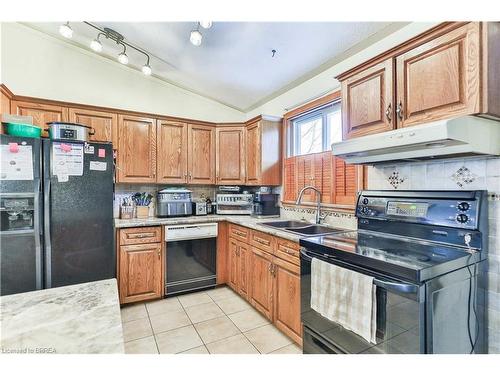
{"type": "Point", "coordinates": [133, 236]}
{"type": "Point", "coordinates": [263, 241]}
{"type": "Point", "coordinates": [288, 250]}
{"type": "Point", "coordinates": [239, 233]}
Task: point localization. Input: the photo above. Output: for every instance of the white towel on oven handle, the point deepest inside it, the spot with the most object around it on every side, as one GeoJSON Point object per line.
{"type": "Point", "coordinates": [345, 297]}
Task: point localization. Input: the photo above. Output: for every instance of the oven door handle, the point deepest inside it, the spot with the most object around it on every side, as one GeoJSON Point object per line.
{"type": "Point", "coordinates": [396, 287]}
{"type": "Point", "coordinates": [388, 285]}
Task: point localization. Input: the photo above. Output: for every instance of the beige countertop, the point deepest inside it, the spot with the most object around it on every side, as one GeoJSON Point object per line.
{"type": "Point", "coordinates": [77, 319]}
{"type": "Point", "coordinates": [244, 220]}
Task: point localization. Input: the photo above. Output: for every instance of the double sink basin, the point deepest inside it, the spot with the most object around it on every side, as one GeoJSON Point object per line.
{"type": "Point", "coordinates": [301, 228]}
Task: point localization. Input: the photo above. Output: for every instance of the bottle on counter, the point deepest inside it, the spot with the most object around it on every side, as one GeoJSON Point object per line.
{"type": "Point", "coordinates": [209, 206]}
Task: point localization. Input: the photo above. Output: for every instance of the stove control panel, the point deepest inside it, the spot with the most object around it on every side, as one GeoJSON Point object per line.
{"type": "Point", "coordinates": [446, 208]}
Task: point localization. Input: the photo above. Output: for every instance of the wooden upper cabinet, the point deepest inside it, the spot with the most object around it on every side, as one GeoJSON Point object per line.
{"type": "Point", "coordinates": [172, 152]}
{"type": "Point", "coordinates": [201, 154]}
{"type": "Point", "coordinates": [367, 106]}
{"type": "Point", "coordinates": [440, 78]}
{"type": "Point", "coordinates": [263, 153]}
{"type": "Point", "coordinates": [253, 152]}
{"type": "Point", "coordinates": [41, 113]}
{"type": "Point", "coordinates": [136, 149]}
{"type": "Point", "coordinates": [104, 124]}
{"type": "Point", "coordinates": [230, 155]}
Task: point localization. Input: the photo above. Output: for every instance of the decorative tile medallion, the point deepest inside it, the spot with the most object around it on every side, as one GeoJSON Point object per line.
{"type": "Point", "coordinates": [395, 179]}
{"type": "Point", "coordinates": [463, 176]}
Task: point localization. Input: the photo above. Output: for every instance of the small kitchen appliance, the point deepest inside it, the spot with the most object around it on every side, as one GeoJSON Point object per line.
{"type": "Point", "coordinates": [265, 205]}
{"type": "Point", "coordinates": [174, 202]}
{"type": "Point", "coordinates": [68, 131]}
{"type": "Point", "coordinates": [199, 208]}
{"type": "Point", "coordinates": [427, 254]}
{"type": "Point", "coordinates": [234, 204]}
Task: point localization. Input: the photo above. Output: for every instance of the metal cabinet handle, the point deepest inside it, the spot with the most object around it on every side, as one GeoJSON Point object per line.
{"type": "Point", "coordinates": [270, 268]}
{"type": "Point", "coordinates": [263, 242]}
{"type": "Point", "coordinates": [399, 110]}
{"type": "Point", "coordinates": [159, 253]}
{"type": "Point", "coordinates": [388, 112]}
{"type": "Point", "coordinates": [190, 176]}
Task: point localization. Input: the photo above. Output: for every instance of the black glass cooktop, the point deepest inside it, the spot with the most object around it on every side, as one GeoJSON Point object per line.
{"type": "Point", "coordinates": [397, 257]}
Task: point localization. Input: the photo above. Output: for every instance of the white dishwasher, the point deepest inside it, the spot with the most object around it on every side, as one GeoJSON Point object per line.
{"type": "Point", "coordinates": [191, 261]}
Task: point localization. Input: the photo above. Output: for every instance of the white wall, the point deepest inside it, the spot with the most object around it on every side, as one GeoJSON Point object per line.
{"type": "Point", "coordinates": [326, 80]}
{"type": "Point", "coordinates": [34, 64]}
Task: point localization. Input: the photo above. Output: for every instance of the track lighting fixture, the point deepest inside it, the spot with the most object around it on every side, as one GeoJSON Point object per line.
{"type": "Point", "coordinates": [97, 46]}
{"type": "Point", "coordinates": [195, 37]}
{"type": "Point", "coordinates": [206, 24]}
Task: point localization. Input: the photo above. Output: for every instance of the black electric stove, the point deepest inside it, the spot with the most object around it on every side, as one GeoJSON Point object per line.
{"type": "Point", "coordinates": [426, 251]}
{"type": "Point", "coordinates": [396, 256]}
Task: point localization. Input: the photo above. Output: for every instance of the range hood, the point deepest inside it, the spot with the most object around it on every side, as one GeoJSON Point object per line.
{"type": "Point", "coordinates": [462, 136]}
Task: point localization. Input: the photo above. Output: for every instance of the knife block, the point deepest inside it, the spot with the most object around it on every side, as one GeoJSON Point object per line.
{"type": "Point", "coordinates": [142, 212]}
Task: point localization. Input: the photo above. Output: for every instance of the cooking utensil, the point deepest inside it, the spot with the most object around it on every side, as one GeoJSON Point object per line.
{"type": "Point", "coordinates": [70, 131]}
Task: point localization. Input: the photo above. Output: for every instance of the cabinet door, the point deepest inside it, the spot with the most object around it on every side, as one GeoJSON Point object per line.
{"type": "Point", "coordinates": [201, 154]}
{"type": "Point", "coordinates": [41, 113]}
{"type": "Point", "coordinates": [230, 155]}
{"type": "Point", "coordinates": [253, 154]}
{"type": "Point", "coordinates": [136, 149]}
{"type": "Point", "coordinates": [440, 79]}
{"type": "Point", "coordinates": [367, 106]}
{"type": "Point", "coordinates": [4, 105]}
{"type": "Point", "coordinates": [287, 299]}
{"type": "Point", "coordinates": [244, 270]}
{"type": "Point", "coordinates": [104, 124]}
{"type": "Point", "coordinates": [261, 282]}
{"type": "Point", "coordinates": [172, 152]}
{"type": "Point", "coordinates": [140, 272]}
{"type": "Point", "coordinates": [233, 264]}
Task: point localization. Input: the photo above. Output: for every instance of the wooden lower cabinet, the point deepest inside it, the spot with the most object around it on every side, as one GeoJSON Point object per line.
{"type": "Point", "coordinates": [270, 283]}
{"type": "Point", "coordinates": [140, 272]}
{"type": "Point", "coordinates": [286, 294]}
{"type": "Point", "coordinates": [239, 259]}
{"type": "Point", "coordinates": [261, 282]}
{"type": "Point", "coordinates": [140, 266]}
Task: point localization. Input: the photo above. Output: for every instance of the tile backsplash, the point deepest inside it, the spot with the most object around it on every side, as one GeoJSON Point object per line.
{"type": "Point", "coordinates": [456, 174]}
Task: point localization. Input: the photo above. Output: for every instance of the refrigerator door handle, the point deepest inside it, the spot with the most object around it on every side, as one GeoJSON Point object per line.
{"type": "Point", "coordinates": [37, 233]}
{"type": "Point", "coordinates": [46, 232]}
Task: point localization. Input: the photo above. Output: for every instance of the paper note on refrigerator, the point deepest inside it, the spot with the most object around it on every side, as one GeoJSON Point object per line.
{"type": "Point", "coordinates": [16, 165]}
{"type": "Point", "coordinates": [67, 161]}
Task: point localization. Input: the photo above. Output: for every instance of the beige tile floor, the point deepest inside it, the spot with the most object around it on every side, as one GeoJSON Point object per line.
{"type": "Point", "coordinates": [216, 321]}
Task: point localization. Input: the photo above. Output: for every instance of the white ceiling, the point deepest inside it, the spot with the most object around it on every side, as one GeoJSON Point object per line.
{"type": "Point", "coordinates": [234, 64]}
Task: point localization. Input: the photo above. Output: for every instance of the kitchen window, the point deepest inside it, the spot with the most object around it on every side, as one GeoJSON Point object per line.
{"type": "Point", "coordinates": [315, 131]}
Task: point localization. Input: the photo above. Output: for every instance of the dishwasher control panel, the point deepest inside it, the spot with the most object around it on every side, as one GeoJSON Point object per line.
{"type": "Point", "coordinates": [190, 231]}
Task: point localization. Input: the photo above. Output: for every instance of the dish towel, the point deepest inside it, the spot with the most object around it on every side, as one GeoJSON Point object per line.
{"type": "Point", "coordinates": [344, 297]}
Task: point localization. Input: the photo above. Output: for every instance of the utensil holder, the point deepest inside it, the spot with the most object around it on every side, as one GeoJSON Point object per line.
{"type": "Point", "coordinates": [142, 212]}
{"type": "Point", "coordinates": [126, 212]}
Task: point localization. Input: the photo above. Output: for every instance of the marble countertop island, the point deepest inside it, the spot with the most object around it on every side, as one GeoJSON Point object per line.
{"type": "Point", "coordinates": [79, 319]}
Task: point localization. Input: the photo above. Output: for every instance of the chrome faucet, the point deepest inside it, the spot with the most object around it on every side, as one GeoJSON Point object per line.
{"type": "Point", "coordinates": [318, 201]}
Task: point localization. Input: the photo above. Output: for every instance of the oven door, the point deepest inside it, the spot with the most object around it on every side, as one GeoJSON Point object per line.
{"type": "Point", "coordinates": [400, 316]}
{"type": "Point", "coordinates": [190, 265]}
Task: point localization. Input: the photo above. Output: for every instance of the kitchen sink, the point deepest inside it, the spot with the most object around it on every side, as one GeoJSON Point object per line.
{"type": "Point", "coordinates": [302, 228]}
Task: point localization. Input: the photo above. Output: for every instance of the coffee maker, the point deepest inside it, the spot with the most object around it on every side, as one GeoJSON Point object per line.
{"type": "Point", "coordinates": [265, 205]}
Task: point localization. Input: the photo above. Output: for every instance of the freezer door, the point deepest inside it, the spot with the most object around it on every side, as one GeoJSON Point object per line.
{"type": "Point", "coordinates": [78, 215]}
{"type": "Point", "coordinates": [20, 218]}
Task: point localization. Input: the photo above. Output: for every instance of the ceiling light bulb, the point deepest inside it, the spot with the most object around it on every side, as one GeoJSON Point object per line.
{"type": "Point", "coordinates": [195, 37]}
{"type": "Point", "coordinates": [206, 24]}
{"type": "Point", "coordinates": [146, 69]}
{"type": "Point", "coordinates": [96, 45]}
{"type": "Point", "coordinates": [123, 58]}
{"type": "Point", "coordinates": [66, 30]}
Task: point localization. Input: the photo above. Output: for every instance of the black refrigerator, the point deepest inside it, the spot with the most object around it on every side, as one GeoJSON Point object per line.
{"type": "Point", "coordinates": [56, 206]}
